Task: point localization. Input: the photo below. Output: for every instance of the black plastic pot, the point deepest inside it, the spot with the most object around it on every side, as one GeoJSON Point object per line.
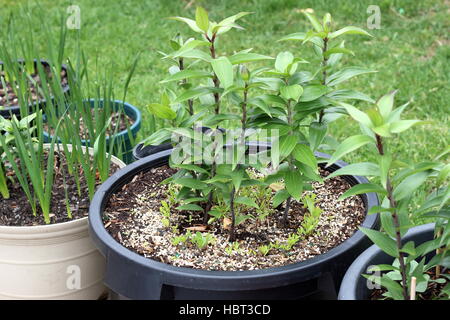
{"type": "Point", "coordinates": [140, 151]}
{"type": "Point", "coordinates": [354, 286]}
{"type": "Point", "coordinates": [132, 276]}
{"type": "Point", "coordinates": [7, 112]}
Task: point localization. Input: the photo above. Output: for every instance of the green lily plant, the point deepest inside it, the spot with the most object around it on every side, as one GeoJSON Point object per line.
{"type": "Point", "coordinates": [205, 77]}
{"type": "Point", "coordinates": [238, 93]}
{"type": "Point", "coordinates": [397, 184]}
{"type": "Point", "coordinates": [297, 101]}
{"type": "Point", "coordinates": [322, 83]}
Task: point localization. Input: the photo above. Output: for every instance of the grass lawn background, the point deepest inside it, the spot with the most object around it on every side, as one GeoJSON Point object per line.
{"type": "Point", "coordinates": [410, 51]}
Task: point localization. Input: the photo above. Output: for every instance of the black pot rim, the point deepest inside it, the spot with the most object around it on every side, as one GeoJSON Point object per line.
{"type": "Point", "coordinates": [105, 242]}
{"type": "Point", "coordinates": [16, 108]}
{"type": "Point", "coordinates": [348, 289]}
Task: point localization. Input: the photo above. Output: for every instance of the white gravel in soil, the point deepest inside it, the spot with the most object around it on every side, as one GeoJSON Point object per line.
{"type": "Point", "coordinates": [144, 232]}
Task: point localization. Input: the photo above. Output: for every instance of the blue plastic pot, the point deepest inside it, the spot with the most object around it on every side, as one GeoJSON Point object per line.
{"type": "Point", "coordinates": [123, 144]}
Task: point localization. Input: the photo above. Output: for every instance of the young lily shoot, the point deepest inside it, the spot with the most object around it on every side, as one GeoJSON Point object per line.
{"type": "Point", "coordinates": [397, 184]}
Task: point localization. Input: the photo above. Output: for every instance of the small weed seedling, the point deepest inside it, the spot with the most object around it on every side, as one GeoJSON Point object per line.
{"type": "Point", "coordinates": [312, 218]}
{"type": "Point", "coordinates": [202, 240]}
{"type": "Point", "coordinates": [265, 249]}
{"type": "Point", "coordinates": [165, 212]}
{"type": "Point", "coordinates": [182, 238]}
{"type": "Point", "coordinates": [233, 247]}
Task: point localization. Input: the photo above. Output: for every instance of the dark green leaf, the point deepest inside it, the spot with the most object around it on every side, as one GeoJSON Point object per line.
{"type": "Point", "coordinates": [313, 92]}
{"type": "Point", "coordinates": [294, 183]}
{"type": "Point", "coordinates": [299, 36]}
{"type": "Point", "coordinates": [190, 207]}
{"type": "Point", "coordinates": [385, 243]}
{"type": "Point", "coordinates": [280, 197]}
{"type": "Point", "coordinates": [303, 154]}
{"type": "Point", "coordinates": [317, 132]}
{"type": "Point", "coordinates": [345, 74]}
{"type": "Point", "coordinates": [259, 103]}
{"type": "Point", "coordinates": [387, 223]}
{"type": "Point", "coordinates": [410, 184]}
{"type": "Point", "coordinates": [224, 70]}
{"type": "Point", "coordinates": [292, 92]}
{"type": "Point", "coordinates": [349, 94]}
{"type": "Point", "coordinates": [191, 183]}
{"type": "Point", "coordinates": [362, 188]}
{"type": "Point", "coordinates": [190, 167]}
{"type": "Point", "coordinates": [348, 145]}
{"type": "Point", "coordinates": [193, 94]}
{"type": "Point", "coordinates": [187, 74]}
{"type": "Point", "coordinates": [287, 144]}
{"type": "Point", "coordinates": [357, 169]}
{"type": "Point", "coordinates": [338, 50]}
{"type": "Point", "coordinates": [243, 57]}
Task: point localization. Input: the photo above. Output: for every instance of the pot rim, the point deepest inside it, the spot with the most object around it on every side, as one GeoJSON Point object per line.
{"type": "Point", "coordinates": [105, 242]}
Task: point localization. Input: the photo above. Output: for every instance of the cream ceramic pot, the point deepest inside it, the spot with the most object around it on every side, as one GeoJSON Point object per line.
{"type": "Point", "coordinates": [55, 261]}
